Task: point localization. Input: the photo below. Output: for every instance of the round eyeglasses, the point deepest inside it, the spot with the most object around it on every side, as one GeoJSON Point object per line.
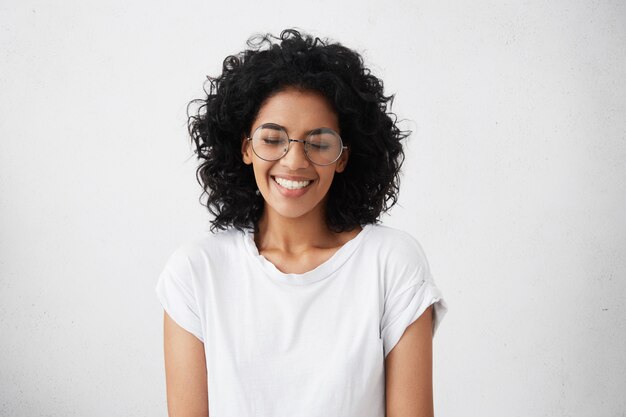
{"type": "Point", "coordinates": [322, 146]}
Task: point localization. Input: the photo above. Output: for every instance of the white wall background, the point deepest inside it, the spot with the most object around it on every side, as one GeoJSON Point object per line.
{"type": "Point", "coordinates": [515, 184]}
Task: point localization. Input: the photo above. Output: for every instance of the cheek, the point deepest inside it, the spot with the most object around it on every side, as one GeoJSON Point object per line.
{"type": "Point", "coordinates": [260, 173]}
{"type": "Point", "coordinates": [327, 176]}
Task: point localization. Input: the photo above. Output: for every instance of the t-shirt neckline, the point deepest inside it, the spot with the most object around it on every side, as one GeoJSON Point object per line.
{"type": "Point", "coordinates": [322, 271]}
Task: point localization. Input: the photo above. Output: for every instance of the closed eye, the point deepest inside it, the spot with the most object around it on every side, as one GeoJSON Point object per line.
{"type": "Point", "coordinates": [319, 146]}
{"type": "Point", "coordinates": [273, 141]}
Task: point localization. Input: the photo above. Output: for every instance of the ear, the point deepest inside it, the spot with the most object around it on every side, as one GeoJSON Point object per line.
{"type": "Point", "coordinates": [246, 151]}
{"type": "Point", "coordinates": [342, 161]}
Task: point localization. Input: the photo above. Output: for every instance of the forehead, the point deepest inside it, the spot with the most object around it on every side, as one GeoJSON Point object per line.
{"type": "Point", "coordinates": [297, 111]}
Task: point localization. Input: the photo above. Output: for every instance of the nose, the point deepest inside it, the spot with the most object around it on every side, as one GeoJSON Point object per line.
{"type": "Point", "coordinates": [295, 158]}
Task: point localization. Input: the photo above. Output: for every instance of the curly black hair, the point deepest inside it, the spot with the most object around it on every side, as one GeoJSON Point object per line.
{"type": "Point", "coordinates": [369, 184]}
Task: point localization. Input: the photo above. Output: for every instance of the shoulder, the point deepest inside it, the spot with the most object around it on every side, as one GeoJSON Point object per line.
{"type": "Point", "coordinates": [395, 243]}
{"type": "Point", "coordinates": [399, 256]}
{"type": "Point", "coordinates": [211, 247]}
{"type": "Point", "coordinates": [390, 233]}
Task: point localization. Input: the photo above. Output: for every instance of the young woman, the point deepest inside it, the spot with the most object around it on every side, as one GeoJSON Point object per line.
{"type": "Point", "coordinates": [299, 303]}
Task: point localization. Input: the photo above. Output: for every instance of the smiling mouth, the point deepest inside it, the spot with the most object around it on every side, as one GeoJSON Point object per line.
{"type": "Point", "coordinates": [292, 185]}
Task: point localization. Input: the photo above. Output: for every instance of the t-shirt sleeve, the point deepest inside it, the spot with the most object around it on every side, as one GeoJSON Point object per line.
{"type": "Point", "coordinates": [407, 301]}
{"type": "Point", "coordinates": [175, 291]}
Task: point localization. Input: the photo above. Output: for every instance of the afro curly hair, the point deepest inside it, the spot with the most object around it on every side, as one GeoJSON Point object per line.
{"type": "Point", "coordinates": [368, 186]}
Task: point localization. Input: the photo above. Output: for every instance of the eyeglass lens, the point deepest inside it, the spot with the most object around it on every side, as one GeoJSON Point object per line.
{"type": "Point", "coordinates": [322, 146]}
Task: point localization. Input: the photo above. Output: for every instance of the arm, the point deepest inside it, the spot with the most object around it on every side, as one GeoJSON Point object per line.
{"type": "Point", "coordinates": [408, 371]}
{"type": "Point", "coordinates": [185, 372]}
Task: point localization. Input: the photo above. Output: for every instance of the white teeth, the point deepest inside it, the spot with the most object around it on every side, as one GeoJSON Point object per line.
{"type": "Point", "coordinates": [291, 185]}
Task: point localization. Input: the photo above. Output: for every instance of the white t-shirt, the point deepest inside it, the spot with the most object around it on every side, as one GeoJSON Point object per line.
{"type": "Point", "coordinates": [310, 344]}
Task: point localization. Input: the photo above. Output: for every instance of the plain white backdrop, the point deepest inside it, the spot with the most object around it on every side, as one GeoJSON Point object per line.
{"type": "Point", "coordinates": [514, 183]}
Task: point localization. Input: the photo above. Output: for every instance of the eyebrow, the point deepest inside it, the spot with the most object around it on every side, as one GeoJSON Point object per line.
{"type": "Point", "coordinates": [276, 126]}
{"type": "Point", "coordinates": [273, 126]}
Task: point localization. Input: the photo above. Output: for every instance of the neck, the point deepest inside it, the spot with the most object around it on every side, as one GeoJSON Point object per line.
{"type": "Point", "coordinates": [293, 235]}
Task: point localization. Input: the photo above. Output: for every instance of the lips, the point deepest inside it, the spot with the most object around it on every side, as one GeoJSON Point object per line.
{"type": "Point", "coordinates": [290, 184]}
{"type": "Point", "coordinates": [291, 188]}
{"type": "Point", "coordinates": [292, 177]}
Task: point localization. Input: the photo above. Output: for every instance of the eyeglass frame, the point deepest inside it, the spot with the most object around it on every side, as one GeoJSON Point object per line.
{"type": "Point", "coordinates": [303, 141]}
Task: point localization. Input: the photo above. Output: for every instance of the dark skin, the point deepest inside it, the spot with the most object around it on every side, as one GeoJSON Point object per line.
{"type": "Point", "coordinates": [292, 234]}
